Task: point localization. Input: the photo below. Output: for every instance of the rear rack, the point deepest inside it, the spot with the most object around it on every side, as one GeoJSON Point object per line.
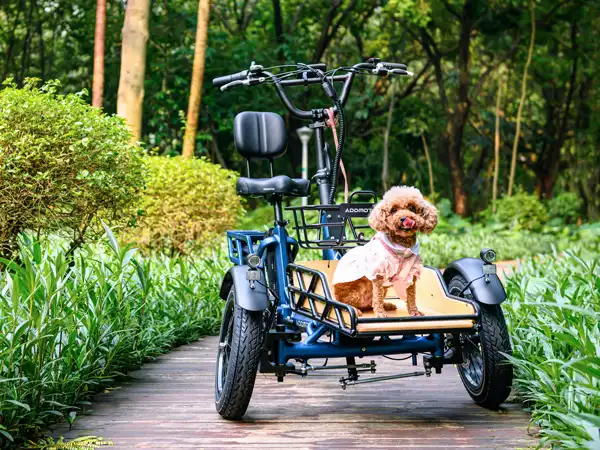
{"type": "Point", "coordinates": [241, 243]}
{"type": "Point", "coordinates": [335, 227]}
{"type": "Point", "coordinates": [310, 296]}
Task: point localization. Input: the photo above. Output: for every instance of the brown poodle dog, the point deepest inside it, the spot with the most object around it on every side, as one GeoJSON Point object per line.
{"type": "Point", "coordinates": [364, 274]}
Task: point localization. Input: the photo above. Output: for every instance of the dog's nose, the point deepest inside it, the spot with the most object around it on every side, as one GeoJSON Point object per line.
{"type": "Point", "coordinates": [402, 219]}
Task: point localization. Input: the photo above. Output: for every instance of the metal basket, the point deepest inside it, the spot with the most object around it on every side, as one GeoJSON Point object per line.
{"type": "Point", "coordinates": [335, 227]}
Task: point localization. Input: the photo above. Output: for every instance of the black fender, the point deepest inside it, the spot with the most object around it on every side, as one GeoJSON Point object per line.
{"type": "Point", "coordinates": [471, 269]}
{"type": "Point", "coordinates": [250, 299]}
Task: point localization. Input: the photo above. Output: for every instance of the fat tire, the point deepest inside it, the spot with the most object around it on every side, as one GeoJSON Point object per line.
{"type": "Point", "coordinates": [233, 400]}
{"type": "Point", "coordinates": [495, 342]}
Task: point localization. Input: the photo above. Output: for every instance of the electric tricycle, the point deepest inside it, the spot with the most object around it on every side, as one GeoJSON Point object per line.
{"type": "Point", "coordinates": [280, 313]}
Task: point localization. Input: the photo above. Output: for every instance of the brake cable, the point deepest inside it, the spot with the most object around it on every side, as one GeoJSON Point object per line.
{"type": "Point", "coordinates": [338, 153]}
{"type": "Point", "coordinates": [332, 93]}
{"type": "Point", "coordinates": [331, 123]}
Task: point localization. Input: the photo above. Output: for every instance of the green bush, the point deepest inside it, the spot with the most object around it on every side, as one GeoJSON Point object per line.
{"type": "Point", "coordinates": [187, 204]}
{"type": "Point", "coordinates": [522, 211]}
{"type": "Point", "coordinates": [63, 165]}
{"type": "Point", "coordinates": [565, 207]}
{"type": "Point", "coordinates": [553, 309]}
{"type": "Point", "coordinates": [67, 329]}
{"type": "Point", "coordinates": [439, 250]}
{"type": "Point", "coordinates": [448, 221]}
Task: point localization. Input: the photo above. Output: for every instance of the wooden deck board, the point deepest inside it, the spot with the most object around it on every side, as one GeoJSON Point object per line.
{"type": "Point", "coordinates": [169, 404]}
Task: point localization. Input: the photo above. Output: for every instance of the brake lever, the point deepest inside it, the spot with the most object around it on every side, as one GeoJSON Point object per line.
{"type": "Point", "coordinates": [229, 85]}
{"type": "Point", "coordinates": [246, 82]}
{"type": "Point", "coordinates": [402, 72]}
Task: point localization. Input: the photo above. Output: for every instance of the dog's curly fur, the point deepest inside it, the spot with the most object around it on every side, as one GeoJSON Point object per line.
{"type": "Point", "coordinates": [387, 216]}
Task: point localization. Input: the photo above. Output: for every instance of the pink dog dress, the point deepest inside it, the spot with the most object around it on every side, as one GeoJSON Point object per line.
{"type": "Point", "coordinates": [380, 257]}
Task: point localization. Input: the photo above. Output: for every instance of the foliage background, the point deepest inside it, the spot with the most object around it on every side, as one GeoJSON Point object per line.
{"type": "Point", "coordinates": [72, 321]}
{"type": "Point", "coordinates": [558, 149]}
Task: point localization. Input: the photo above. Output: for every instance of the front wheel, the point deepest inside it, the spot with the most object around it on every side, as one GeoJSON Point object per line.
{"type": "Point", "coordinates": [238, 357]}
{"type": "Point", "coordinates": [485, 372]}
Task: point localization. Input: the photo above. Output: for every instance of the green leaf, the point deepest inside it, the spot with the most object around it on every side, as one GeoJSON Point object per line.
{"type": "Point", "coordinates": [18, 403]}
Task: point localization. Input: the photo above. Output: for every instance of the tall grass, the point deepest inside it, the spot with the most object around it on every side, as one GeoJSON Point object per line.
{"type": "Point", "coordinates": [554, 318]}
{"type": "Point", "coordinates": [69, 328]}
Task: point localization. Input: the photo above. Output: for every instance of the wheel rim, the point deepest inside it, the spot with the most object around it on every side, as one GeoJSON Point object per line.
{"type": "Point", "coordinates": [224, 350]}
{"type": "Point", "coordinates": [472, 367]}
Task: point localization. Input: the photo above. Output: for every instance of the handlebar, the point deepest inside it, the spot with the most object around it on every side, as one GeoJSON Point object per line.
{"type": "Point", "coordinates": [388, 65]}
{"type": "Point", "coordinates": [314, 74]}
{"type": "Point", "coordinates": [220, 81]}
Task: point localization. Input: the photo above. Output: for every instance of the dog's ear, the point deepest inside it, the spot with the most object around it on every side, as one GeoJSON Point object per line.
{"type": "Point", "coordinates": [378, 216]}
{"type": "Point", "coordinates": [430, 214]}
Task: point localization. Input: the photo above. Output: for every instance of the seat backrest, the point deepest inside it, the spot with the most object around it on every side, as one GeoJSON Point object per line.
{"type": "Point", "coordinates": [259, 135]}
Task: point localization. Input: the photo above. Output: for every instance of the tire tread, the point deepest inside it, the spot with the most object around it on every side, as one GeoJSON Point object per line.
{"type": "Point", "coordinates": [495, 340]}
{"type": "Point", "coordinates": [243, 364]}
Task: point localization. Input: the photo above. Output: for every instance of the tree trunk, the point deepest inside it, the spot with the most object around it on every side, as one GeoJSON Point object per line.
{"type": "Point", "coordinates": [278, 29]}
{"type": "Point", "coordinates": [25, 54]}
{"type": "Point", "coordinates": [133, 65]}
{"type": "Point", "coordinates": [217, 152]}
{"type": "Point", "coordinates": [98, 79]}
{"type": "Point", "coordinates": [278, 21]}
{"type": "Point", "coordinates": [189, 140]}
{"type": "Point", "coordinates": [11, 42]}
{"type": "Point", "coordinates": [385, 171]}
{"type": "Point", "coordinates": [451, 139]}
{"type": "Point", "coordinates": [497, 147]}
{"type": "Point", "coordinates": [453, 144]}
{"type": "Point", "coordinates": [513, 161]}
{"type": "Point", "coordinates": [429, 167]}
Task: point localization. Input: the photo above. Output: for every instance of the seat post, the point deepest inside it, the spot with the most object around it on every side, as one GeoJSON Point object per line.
{"type": "Point", "coordinates": [277, 209]}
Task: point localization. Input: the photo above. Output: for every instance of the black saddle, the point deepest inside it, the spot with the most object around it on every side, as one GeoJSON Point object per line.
{"type": "Point", "coordinates": [262, 135]}
{"type": "Point", "coordinates": [281, 185]}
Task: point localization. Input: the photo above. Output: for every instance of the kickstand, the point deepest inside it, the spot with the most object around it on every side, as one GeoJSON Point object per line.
{"type": "Point", "coordinates": [352, 372]}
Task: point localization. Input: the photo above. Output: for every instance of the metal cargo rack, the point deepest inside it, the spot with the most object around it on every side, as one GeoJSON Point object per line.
{"type": "Point", "coordinates": [337, 227]}
{"type": "Point", "coordinates": [311, 297]}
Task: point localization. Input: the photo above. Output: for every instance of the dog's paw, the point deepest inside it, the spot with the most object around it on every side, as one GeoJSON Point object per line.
{"type": "Point", "coordinates": [358, 312]}
{"type": "Point", "coordinates": [381, 314]}
{"type": "Point", "coordinates": [389, 306]}
{"type": "Point", "coordinates": [416, 313]}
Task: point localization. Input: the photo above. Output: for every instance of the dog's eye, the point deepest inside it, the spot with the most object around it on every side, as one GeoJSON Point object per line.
{"type": "Point", "coordinates": [393, 210]}
{"type": "Point", "coordinates": [411, 208]}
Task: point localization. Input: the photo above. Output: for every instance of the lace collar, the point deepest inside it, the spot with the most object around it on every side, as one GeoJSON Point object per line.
{"type": "Point", "coordinates": [397, 248]}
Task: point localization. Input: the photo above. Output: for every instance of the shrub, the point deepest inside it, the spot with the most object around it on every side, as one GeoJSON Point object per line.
{"type": "Point", "coordinates": [439, 249]}
{"type": "Point", "coordinates": [448, 221]}
{"type": "Point", "coordinates": [522, 211]}
{"type": "Point", "coordinates": [565, 207]}
{"type": "Point", "coordinates": [67, 329]}
{"type": "Point", "coordinates": [63, 164]}
{"type": "Point", "coordinates": [554, 315]}
{"type": "Point", "coordinates": [187, 203]}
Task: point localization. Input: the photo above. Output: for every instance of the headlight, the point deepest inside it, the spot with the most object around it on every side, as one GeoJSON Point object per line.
{"type": "Point", "coordinates": [253, 260]}
{"type": "Point", "coordinates": [488, 255]}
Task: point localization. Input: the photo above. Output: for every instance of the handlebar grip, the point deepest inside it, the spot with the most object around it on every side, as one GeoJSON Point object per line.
{"type": "Point", "coordinates": [221, 81]}
{"type": "Point", "coordinates": [388, 65]}
{"type": "Point", "coordinates": [318, 66]}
